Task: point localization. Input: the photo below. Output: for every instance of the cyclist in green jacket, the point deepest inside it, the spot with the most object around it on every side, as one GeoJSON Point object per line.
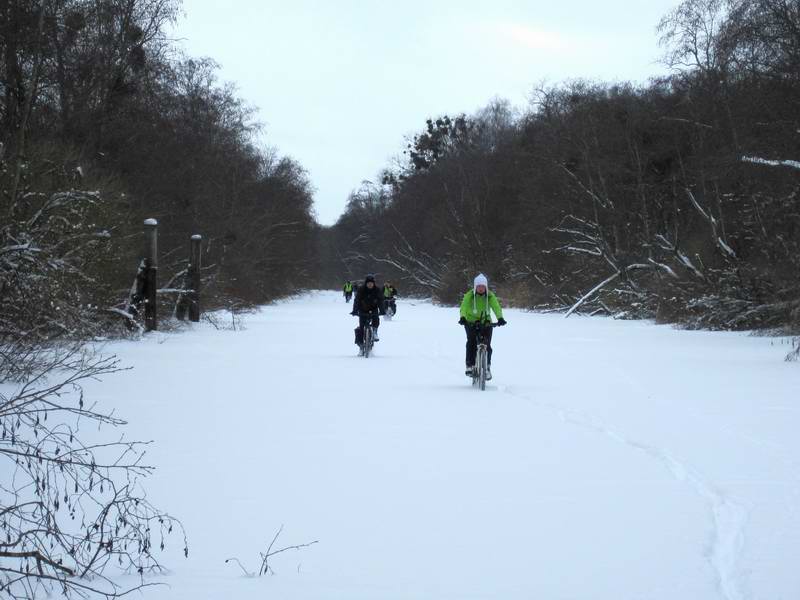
{"type": "Point", "coordinates": [389, 295]}
{"type": "Point", "coordinates": [476, 309]}
{"type": "Point", "coordinates": [347, 290]}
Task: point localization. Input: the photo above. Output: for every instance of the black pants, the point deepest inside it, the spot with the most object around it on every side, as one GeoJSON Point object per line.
{"type": "Point", "coordinates": [472, 344]}
{"type": "Point", "coordinates": [347, 296]}
{"type": "Point", "coordinates": [363, 319]}
{"type": "Point", "coordinates": [390, 302]}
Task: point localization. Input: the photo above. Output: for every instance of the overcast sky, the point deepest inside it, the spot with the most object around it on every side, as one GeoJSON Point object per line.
{"type": "Point", "coordinates": [339, 84]}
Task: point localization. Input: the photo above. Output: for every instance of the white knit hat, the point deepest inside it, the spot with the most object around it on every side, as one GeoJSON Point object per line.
{"type": "Point", "coordinates": [481, 280]}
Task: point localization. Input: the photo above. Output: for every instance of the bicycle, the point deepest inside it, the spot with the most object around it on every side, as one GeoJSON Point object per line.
{"type": "Point", "coordinates": [481, 367]}
{"type": "Point", "coordinates": [368, 340]}
{"type": "Point", "coordinates": [367, 336]}
{"type": "Point", "coordinates": [391, 309]}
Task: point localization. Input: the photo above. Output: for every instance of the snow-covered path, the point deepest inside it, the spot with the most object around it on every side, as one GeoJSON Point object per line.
{"type": "Point", "coordinates": [607, 460]}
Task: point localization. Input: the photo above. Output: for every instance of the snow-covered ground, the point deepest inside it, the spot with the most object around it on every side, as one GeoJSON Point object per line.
{"type": "Point", "coordinates": [607, 460]}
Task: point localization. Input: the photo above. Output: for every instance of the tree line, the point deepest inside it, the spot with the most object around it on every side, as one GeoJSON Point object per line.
{"type": "Point", "coordinates": [674, 200]}
{"type": "Point", "coordinates": [105, 122]}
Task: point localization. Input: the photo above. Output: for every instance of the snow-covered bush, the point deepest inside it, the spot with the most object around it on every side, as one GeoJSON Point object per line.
{"type": "Point", "coordinates": [52, 249]}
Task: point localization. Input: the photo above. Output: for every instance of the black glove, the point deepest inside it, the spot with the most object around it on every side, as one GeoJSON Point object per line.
{"type": "Point", "coordinates": [354, 314]}
{"type": "Point", "coordinates": [462, 321]}
{"type": "Point", "coordinates": [501, 321]}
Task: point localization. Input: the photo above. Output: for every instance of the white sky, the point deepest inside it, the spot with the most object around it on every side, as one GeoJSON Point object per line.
{"type": "Point", "coordinates": [340, 83]}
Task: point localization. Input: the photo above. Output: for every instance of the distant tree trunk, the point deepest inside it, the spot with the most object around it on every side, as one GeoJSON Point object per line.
{"type": "Point", "coordinates": [26, 113]}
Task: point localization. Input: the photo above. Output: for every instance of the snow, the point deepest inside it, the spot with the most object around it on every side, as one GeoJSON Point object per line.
{"type": "Point", "coordinates": [608, 460]}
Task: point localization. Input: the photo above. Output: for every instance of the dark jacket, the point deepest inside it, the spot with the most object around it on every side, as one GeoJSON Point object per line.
{"type": "Point", "coordinates": [368, 300]}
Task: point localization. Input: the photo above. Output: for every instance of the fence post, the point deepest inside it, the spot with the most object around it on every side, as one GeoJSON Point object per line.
{"type": "Point", "coordinates": [151, 274]}
{"type": "Point", "coordinates": [194, 277]}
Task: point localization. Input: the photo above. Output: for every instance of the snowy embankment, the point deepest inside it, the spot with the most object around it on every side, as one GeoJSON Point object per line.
{"type": "Point", "coordinates": [606, 460]}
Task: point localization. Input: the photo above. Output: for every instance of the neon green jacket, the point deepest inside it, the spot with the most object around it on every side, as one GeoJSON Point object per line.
{"type": "Point", "coordinates": [348, 287]}
{"type": "Point", "coordinates": [476, 307]}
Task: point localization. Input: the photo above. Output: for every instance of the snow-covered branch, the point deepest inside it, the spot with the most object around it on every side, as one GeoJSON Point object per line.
{"type": "Point", "coordinates": [715, 228]}
{"type": "Point", "coordinates": [591, 293]}
{"type": "Point", "coordinates": [793, 164]}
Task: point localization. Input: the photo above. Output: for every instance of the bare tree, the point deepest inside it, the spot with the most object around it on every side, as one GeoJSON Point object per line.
{"type": "Point", "coordinates": [690, 33]}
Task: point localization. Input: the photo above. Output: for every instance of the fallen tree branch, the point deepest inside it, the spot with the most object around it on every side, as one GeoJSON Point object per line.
{"type": "Point", "coordinates": [591, 292]}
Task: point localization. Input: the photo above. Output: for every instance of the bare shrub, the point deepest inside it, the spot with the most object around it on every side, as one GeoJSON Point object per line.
{"type": "Point", "coordinates": [73, 509]}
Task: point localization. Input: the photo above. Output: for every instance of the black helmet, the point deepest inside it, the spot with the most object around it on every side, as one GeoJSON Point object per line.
{"type": "Point", "coordinates": [369, 277]}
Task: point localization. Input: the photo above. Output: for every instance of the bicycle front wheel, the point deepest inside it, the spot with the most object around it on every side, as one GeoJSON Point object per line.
{"type": "Point", "coordinates": [367, 341]}
{"type": "Point", "coordinates": [483, 368]}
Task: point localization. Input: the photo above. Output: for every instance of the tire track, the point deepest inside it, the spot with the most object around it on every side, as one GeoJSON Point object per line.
{"type": "Point", "coordinates": [728, 517]}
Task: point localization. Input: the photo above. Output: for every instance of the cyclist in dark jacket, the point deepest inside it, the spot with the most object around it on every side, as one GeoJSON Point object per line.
{"type": "Point", "coordinates": [367, 305]}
